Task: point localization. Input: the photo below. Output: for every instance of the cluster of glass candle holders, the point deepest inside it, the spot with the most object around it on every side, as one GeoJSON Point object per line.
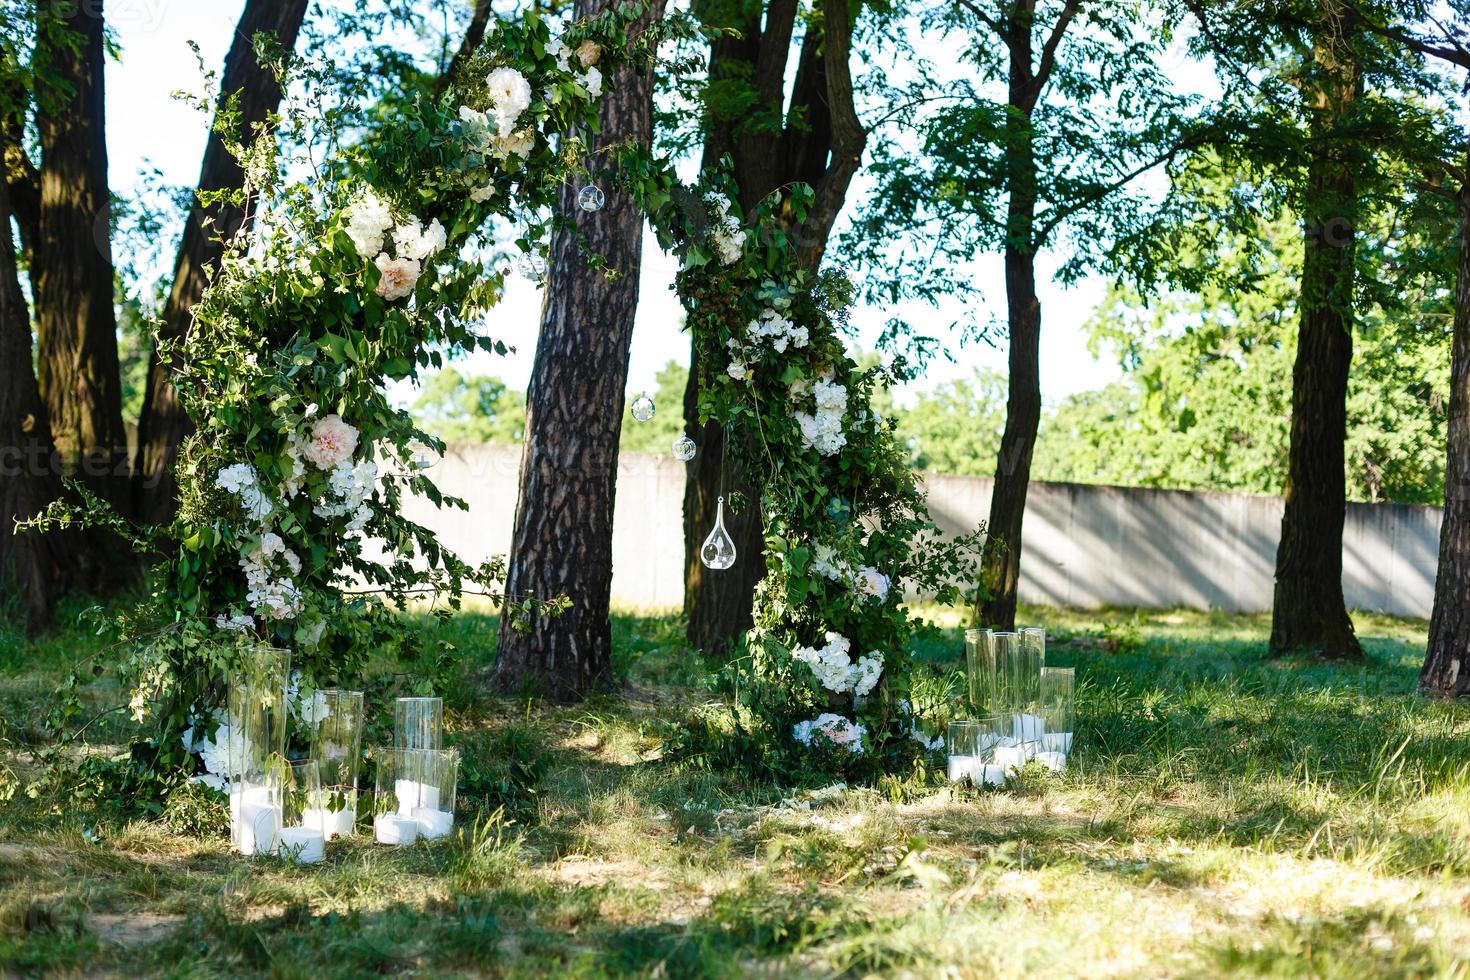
{"type": "Point", "coordinates": [1022, 709]}
{"type": "Point", "coordinates": [293, 808]}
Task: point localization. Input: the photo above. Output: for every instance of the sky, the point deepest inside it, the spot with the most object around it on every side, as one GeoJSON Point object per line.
{"type": "Point", "coordinates": [148, 129]}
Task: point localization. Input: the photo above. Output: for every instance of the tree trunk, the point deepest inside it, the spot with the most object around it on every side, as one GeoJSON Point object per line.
{"type": "Point", "coordinates": [1447, 663]}
{"type": "Point", "coordinates": [163, 425]}
{"type": "Point", "coordinates": [33, 567]}
{"type": "Point", "coordinates": [72, 272]}
{"type": "Point", "coordinates": [1001, 572]}
{"type": "Point", "coordinates": [823, 150]}
{"type": "Point", "coordinates": [569, 465]}
{"type": "Point", "coordinates": [1309, 613]}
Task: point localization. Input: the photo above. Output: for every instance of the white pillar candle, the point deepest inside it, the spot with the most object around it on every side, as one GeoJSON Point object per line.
{"type": "Point", "coordinates": [1009, 758]}
{"type": "Point", "coordinates": [1057, 742]}
{"type": "Point", "coordinates": [332, 823]}
{"type": "Point", "coordinates": [964, 767]}
{"type": "Point", "coordinates": [1027, 728]}
{"type": "Point", "coordinates": [395, 828]}
{"type": "Point", "coordinates": [413, 794]}
{"type": "Point", "coordinates": [433, 824]}
{"type": "Point", "coordinates": [254, 819]}
{"type": "Point", "coordinates": [303, 845]}
{"type": "Point", "coordinates": [1055, 761]}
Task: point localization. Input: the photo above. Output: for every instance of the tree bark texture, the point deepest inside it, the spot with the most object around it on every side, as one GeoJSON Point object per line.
{"type": "Point", "coordinates": [34, 568]}
{"type": "Point", "coordinates": [1308, 612]}
{"type": "Point", "coordinates": [1447, 662]}
{"type": "Point", "coordinates": [72, 272]}
{"type": "Point", "coordinates": [1001, 571]}
{"type": "Point", "coordinates": [824, 151]}
{"type": "Point", "coordinates": [569, 465]}
{"type": "Point", "coordinates": [163, 425]}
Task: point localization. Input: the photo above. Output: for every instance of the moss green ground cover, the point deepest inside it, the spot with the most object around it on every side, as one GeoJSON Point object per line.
{"type": "Point", "coordinates": [1224, 816]}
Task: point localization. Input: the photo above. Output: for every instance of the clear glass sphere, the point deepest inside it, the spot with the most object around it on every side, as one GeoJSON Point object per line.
{"type": "Point", "coordinates": [643, 408]}
{"type": "Point", "coordinates": [532, 266]}
{"type": "Point", "coordinates": [684, 448]}
{"type": "Point", "coordinates": [591, 198]}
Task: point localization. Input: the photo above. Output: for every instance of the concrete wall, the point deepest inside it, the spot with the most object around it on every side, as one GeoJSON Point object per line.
{"type": "Point", "coordinates": [1084, 545]}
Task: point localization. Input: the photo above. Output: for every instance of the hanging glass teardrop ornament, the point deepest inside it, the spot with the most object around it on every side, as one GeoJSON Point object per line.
{"type": "Point", "coordinates": [684, 448]}
{"type": "Point", "coordinates": [532, 266]}
{"type": "Point", "coordinates": [591, 198]}
{"type": "Point", "coordinates": [718, 550]}
{"type": "Point", "coordinates": [643, 408]}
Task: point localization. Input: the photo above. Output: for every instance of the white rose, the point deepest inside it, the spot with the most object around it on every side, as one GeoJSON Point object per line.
{"type": "Point", "coordinates": [482, 194]}
{"type": "Point", "coordinates": [510, 94]}
{"type": "Point", "coordinates": [592, 82]}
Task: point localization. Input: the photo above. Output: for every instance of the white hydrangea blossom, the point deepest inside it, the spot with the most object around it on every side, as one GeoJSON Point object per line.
{"type": "Point", "coordinates": [827, 564]}
{"type": "Point", "coordinates": [728, 237]}
{"type": "Point", "coordinates": [482, 194]}
{"type": "Point", "coordinates": [368, 222]}
{"type": "Point", "coordinates": [414, 241]}
{"type": "Point", "coordinates": [223, 756]}
{"type": "Point", "coordinates": [241, 480]}
{"type": "Point", "coordinates": [474, 126]}
{"type": "Point", "coordinates": [822, 430]}
{"type": "Point", "coordinates": [836, 729]}
{"type": "Point", "coordinates": [270, 586]}
{"type": "Point", "coordinates": [592, 82]}
{"type": "Point", "coordinates": [778, 330]}
{"type": "Point", "coordinates": [738, 370]}
{"type": "Point", "coordinates": [351, 485]}
{"type": "Point", "coordinates": [834, 669]}
{"type": "Point", "coordinates": [237, 624]}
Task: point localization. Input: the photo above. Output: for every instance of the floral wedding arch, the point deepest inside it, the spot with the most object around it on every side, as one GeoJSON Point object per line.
{"type": "Point", "coordinates": [371, 271]}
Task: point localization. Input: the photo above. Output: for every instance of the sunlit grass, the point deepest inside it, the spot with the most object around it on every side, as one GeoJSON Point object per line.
{"type": "Point", "coordinates": [1224, 815]}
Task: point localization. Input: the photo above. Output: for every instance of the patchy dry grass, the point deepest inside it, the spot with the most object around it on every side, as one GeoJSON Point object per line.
{"type": "Point", "coordinates": [1224, 816]}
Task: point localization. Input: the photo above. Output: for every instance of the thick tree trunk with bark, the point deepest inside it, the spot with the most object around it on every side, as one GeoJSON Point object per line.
{"type": "Point", "coordinates": [34, 568]}
{"type": "Point", "coordinates": [824, 151]}
{"type": "Point", "coordinates": [1001, 574]}
{"type": "Point", "coordinates": [1447, 662]}
{"type": "Point", "coordinates": [1308, 612]}
{"type": "Point", "coordinates": [72, 272]}
{"type": "Point", "coordinates": [569, 465]}
{"type": "Point", "coordinates": [163, 425]}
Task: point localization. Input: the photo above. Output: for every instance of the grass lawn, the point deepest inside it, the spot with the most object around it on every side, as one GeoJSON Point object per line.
{"type": "Point", "coordinates": [1223, 816]}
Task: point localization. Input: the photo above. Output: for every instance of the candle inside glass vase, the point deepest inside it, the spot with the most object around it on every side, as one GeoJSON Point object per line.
{"type": "Point", "coordinates": [300, 841]}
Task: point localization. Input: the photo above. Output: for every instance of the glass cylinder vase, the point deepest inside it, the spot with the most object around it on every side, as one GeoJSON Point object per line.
{"type": "Point", "coordinates": [1058, 708]}
{"type": "Point", "coordinates": [980, 670]}
{"type": "Point", "coordinates": [973, 743]}
{"type": "Point", "coordinates": [1018, 658]}
{"type": "Point", "coordinates": [254, 736]}
{"type": "Point", "coordinates": [433, 782]}
{"type": "Point", "coordinates": [336, 748]}
{"type": "Point", "coordinates": [396, 796]}
{"type": "Point", "coordinates": [418, 723]}
{"type": "Point", "coordinates": [301, 841]}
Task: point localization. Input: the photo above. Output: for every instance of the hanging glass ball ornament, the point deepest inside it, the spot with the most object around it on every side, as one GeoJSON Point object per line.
{"type": "Point", "coordinates": [684, 448]}
{"type": "Point", "coordinates": [532, 266]}
{"type": "Point", "coordinates": [643, 408]}
{"type": "Point", "coordinates": [718, 550]}
{"type": "Point", "coordinates": [591, 198]}
{"type": "Point", "coordinates": [838, 509]}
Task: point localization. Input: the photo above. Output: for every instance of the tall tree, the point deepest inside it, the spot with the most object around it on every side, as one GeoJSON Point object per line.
{"type": "Point", "coordinates": [1308, 611]}
{"type": "Point", "coordinates": [250, 93]}
{"type": "Point", "coordinates": [1326, 113]}
{"type": "Point", "coordinates": [562, 543]}
{"type": "Point", "coordinates": [33, 567]}
{"type": "Point", "coordinates": [812, 136]}
{"type": "Point", "coordinates": [71, 254]}
{"type": "Point", "coordinates": [1085, 112]}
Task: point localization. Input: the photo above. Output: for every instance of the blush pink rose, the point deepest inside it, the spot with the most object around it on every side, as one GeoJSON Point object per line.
{"type": "Point", "coordinates": [332, 441]}
{"type": "Point", "coordinates": [399, 276]}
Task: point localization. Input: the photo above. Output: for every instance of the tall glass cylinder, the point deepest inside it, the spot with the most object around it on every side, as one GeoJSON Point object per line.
{"type": "Point", "coordinates": [301, 841]}
{"type": "Point", "coordinates": [980, 669]}
{"type": "Point", "coordinates": [254, 735]}
{"type": "Point", "coordinates": [418, 723]}
{"type": "Point", "coordinates": [1058, 706]}
{"type": "Point", "coordinates": [336, 748]}
{"type": "Point", "coordinates": [1018, 658]}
